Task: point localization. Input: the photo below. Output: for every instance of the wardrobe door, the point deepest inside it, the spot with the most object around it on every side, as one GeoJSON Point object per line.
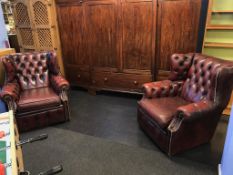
{"type": "Point", "coordinates": [101, 22]}
{"type": "Point", "coordinates": [138, 36]}
{"type": "Point", "coordinates": [178, 23]}
{"type": "Point", "coordinates": [23, 24]}
{"type": "Point", "coordinates": [42, 25]}
{"type": "Point", "coordinates": [74, 42]}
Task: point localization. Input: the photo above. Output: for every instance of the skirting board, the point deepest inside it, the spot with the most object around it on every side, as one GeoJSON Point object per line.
{"type": "Point", "coordinates": [219, 169]}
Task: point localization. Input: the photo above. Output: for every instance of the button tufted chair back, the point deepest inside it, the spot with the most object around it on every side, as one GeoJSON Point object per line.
{"type": "Point", "coordinates": [180, 65]}
{"type": "Point", "coordinates": [208, 78]}
{"type": "Point", "coordinates": [31, 69]}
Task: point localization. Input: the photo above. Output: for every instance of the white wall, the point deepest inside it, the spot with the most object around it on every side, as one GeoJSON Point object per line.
{"type": "Point", "coordinates": [3, 32]}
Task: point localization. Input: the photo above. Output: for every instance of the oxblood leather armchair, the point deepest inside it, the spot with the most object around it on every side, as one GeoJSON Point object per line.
{"type": "Point", "coordinates": [35, 90]}
{"type": "Point", "coordinates": [183, 112]}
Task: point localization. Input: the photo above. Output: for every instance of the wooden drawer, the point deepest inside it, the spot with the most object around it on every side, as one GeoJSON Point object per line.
{"type": "Point", "coordinates": [78, 77]}
{"type": "Point", "coordinates": [119, 81]}
{"type": "Point", "coordinates": [83, 78]}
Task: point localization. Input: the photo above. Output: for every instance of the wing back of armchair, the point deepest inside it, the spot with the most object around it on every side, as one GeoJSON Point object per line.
{"type": "Point", "coordinates": [180, 65]}
{"type": "Point", "coordinates": [210, 79]}
{"type": "Point", "coordinates": [31, 70]}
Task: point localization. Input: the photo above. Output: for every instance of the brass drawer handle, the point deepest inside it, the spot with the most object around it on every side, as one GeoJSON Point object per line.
{"type": "Point", "coordinates": [135, 82]}
{"type": "Point", "coordinates": [105, 79]}
{"type": "Point", "coordinates": [79, 76]}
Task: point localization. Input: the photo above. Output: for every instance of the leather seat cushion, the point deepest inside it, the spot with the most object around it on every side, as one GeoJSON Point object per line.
{"type": "Point", "coordinates": [37, 99]}
{"type": "Point", "coordinates": [163, 109]}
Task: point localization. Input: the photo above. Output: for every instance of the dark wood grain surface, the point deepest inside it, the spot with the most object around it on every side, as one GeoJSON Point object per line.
{"type": "Point", "coordinates": [121, 44]}
{"type": "Point", "coordinates": [178, 24]}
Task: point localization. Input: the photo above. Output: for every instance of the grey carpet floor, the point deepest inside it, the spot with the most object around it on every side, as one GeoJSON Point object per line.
{"type": "Point", "coordinates": [87, 155]}
{"type": "Point", "coordinates": [103, 138]}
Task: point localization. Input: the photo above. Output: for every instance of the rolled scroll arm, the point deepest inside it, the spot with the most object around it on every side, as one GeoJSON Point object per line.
{"type": "Point", "coordinates": [61, 86]}
{"type": "Point", "coordinates": [164, 88]}
{"type": "Point", "coordinates": [10, 94]}
{"type": "Point", "coordinates": [190, 112]}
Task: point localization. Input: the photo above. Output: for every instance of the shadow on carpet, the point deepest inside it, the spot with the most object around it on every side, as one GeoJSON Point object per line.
{"type": "Point", "coordinates": [86, 155]}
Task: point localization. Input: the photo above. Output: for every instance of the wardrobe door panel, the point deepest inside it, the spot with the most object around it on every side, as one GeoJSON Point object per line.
{"type": "Point", "coordinates": [101, 21]}
{"type": "Point", "coordinates": [41, 15]}
{"type": "Point", "coordinates": [178, 23]}
{"type": "Point", "coordinates": [138, 34]}
{"type": "Point", "coordinates": [73, 36]}
{"type": "Point", "coordinates": [23, 24]}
